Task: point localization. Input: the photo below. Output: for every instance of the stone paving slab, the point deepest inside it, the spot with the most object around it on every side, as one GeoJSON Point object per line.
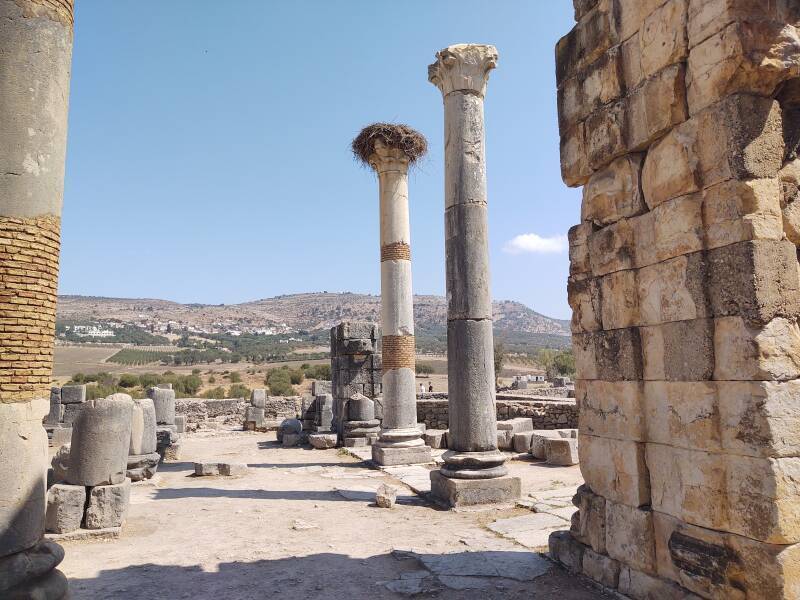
{"type": "Point", "coordinates": [107, 533]}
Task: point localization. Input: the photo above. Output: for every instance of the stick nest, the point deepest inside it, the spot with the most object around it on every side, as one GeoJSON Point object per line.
{"type": "Point", "coordinates": [410, 141]}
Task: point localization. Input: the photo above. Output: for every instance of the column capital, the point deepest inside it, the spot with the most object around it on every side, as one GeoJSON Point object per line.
{"type": "Point", "coordinates": [463, 68]}
{"type": "Point", "coordinates": [387, 158]}
{"type": "Point", "coordinates": [389, 147]}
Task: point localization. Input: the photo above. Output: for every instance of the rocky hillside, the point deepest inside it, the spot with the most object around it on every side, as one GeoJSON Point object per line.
{"type": "Point", "coordinates": [296, 311]}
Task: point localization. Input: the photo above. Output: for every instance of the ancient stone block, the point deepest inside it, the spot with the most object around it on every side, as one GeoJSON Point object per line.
{"type": "Point", "coordinates": [589, 523]}
{"type": "Point", "coordinates": [588, 40]}
{"type": "Point", "coordinates": [602, 569]}
{"type": "Point", "coordinates": [641, 586]}
{"type": "Point", "coordinates": [615, 469]}
{"type": "Point", "coordinates": [663, 39]}
{"type": "Point", "coordinates": [630, 537]}
{"type": "Point", "coordinates": [435, 438]}
{"type": "Point", "coordinates": [619, 300]}
{"type": "Point", "coordinates": [678, 227]}
{"type": "Point", "coordinates": [562, 452]}
{"type": "Point", "coordinates": [582, 7]}
{"type": "Point", "coordinates": [539, 442]}
{"type": "Point", "coordinates": [108, 505]}
{"type": "Point", "coordinates": [180, 423]}
{"type": "Point", "coordinates": [73, 394]}
{"type": "Point", "coordinates": [743, 352]}
{"type": "Point", "coordinates": [521, 442]}
{"type": "Point", "coordinates": [515, 425]}
{"type": "Point", "coordinates": [756, 280]}
{"type": "Point", "coordinates": [655, 107]}
{"type": "Point", "coordinates": [292, 439]}
{"type": "Point", "coordinates": [143, 427]}
{"type": "Point", "coordinates": [611, 409]}
{"type": "Point", "coordinates": [584, 299]}
{"type": "Point", "coordinates": [759, 418]}
{"type": "Point", "coordinates": [566, 550]}
{"type": "Point", "coordinates": [164, 403]}
{"type": "Point", "coordinates": [470, 492]}
{"type": "Point", "coordinates": [684, 414]}
{"type": "Point", "coordinates": [258, 397]}
{"type": "Point", "coordinates": [206, 469]}
{"type": "Point", "coordinates": [736, 211]}
{"type": "Point", "coordinates": [142, 466]}
{"type": "Point", "coordinates": [321, 441]}
{"type": "Point", "coordinates": [612, 248]}
{"type": "Point", "coordinates": [614, 192]}
{"type": "Point", "coordinates": [752, 57]}
{"type": "Point", "coordinates": [575, 168]}
{"type": "Point", "coordinates": [670, 168]}
{"type": "Point", "coordinates": [614, 355]}
{"type": "Point", "coordinates": [233, 469]}
{"type": "Point", "coordinates": [673, 290]}
{"type": "Point", "coordinates": [360, 408]}
{"type": "Point", "coordinates": [599, 84]}
{"type": "Point", "coordinates": [679, 351]}
{"type": "Point", "coordinates": [386, 496]}
{"type": "Point", "coordinates": [65, 504]}
{"type": "Point", "coordinates": [605, 134]}
{"type": "Point", "coordinates": [630, 15]}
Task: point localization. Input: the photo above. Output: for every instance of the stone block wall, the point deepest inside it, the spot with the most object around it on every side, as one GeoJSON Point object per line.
{"type": "Point", "coordinates": [546, 413]}
{"type": "Point", "coordinates": [681, 120]}
{"type": "Point", "coordinates": [356, 366]}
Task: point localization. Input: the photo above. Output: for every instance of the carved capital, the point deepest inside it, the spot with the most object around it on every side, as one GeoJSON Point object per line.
{"type": "Point", "coordinates": [463, 68]}
{"type": "Point", "coordinates": [387, 158]}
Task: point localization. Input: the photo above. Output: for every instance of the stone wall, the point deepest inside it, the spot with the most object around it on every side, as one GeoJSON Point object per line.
{"type": "Point", "coordinates": [546, 413]}
{"type": "Point", "coordinates": [680, 119]}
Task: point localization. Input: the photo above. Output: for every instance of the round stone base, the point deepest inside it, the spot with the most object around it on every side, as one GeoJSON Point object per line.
{"type": "Point", "coordinates": [32, 573]}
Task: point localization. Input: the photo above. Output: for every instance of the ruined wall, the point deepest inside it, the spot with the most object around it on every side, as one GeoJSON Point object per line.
{"type": "Point", "coordinates": [680, 121]}
{"type": "Point", "coordinates": [545, 413]}
{"type": "Point", "coordinates": [355, 365]}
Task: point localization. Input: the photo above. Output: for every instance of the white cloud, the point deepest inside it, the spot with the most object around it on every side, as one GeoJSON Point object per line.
{"type": "Point", "coordinates": [536, 244]}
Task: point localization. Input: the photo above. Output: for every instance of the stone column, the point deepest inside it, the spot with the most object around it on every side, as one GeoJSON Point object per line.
{"type": "Point", "coordinates": [400, 441]}
{"type": "Point", "coordinates": [474, 472]}
{"type": "Point", "coordinates": [35, 58]}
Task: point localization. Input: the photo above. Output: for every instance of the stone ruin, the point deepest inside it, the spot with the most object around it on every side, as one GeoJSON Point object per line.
{"type": "Point", "coordinates": [680, 121]}
{"type": "Point", "coordinates": [168, 437]}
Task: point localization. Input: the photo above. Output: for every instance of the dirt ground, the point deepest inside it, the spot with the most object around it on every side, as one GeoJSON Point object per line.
{"type": "Point", "coordinates": [303, 523]}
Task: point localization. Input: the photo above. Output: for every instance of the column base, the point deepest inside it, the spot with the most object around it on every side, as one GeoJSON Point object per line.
{"type": "Point", "coordinates": [455, 493]}
{"type": "Point", "coordinates": [388, 456]}
{"type": "Point", "coordinates": [32, 573]}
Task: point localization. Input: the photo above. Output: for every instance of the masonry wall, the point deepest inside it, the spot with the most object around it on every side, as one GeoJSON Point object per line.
{"type": "Point", "coordinates": [545, 413]}
{"type": "Point", "coordinates": [680, 119]}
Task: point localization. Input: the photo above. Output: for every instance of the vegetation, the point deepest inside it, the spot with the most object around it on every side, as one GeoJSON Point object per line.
{"type": "Point", "coordinates": [279, 381]}
{"type": "Point", "coordinates": [100, 385]}
{"type": "Point", "coordinates": [128, 334]}
{"type": "Point", "coordinates": [425, 369]}
{"type": "Point", "coordinates": [321, 372]}
{"type": "Point", "coordinates": [557, 362]}
{"type": "Point", "coordinates": [499, 358]}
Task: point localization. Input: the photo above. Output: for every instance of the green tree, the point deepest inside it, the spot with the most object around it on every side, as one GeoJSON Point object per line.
{"type": "Point", "coordinates": [239, 390]}
{"type": "Point", "coordinates": [424, 369]}
{"type": "Point", "coordinates": [499, 359]}
{"type": "Point", "coordinates": [128, 380]}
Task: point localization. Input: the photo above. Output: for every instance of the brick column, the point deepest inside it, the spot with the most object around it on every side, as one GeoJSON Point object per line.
{"type": "Point", "coordinates": [389, 149]}
{"type": "Point", "coordinates": [680, 120]}
{"type": "Point", "coordinates": [474, 472]}
{"type": "Point", "coordinates": [35, 58]}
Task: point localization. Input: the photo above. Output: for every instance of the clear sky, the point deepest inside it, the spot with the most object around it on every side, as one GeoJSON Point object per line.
{"type": "Point", "coordinates": [209, 160]}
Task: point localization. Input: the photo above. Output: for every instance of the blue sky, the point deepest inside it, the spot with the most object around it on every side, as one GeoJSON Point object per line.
{"type": "Point", "coordinates": [208, 157]}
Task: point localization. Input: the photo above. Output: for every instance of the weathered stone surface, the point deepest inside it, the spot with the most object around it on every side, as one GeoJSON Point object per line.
{"type": "Point", "coordinates": [575, 169]}
{"type": "Point", "coordinates": [673, 290]}
{"type": "Point", "coordinates": [386, 496]}
{"type": "Point", "coordinates": [206, 469]}
{"type": "Point", "coordinates": [142, 466]}
{"type": "Point", "coordinates": [611, 409]}
{"type": "Point", "coordinates": [602, 569]}
{"type": "Point", "coordinates": [743, 352]}
{"type": "Point", "coordinates": [435, 438]}
{"type": "Point", "coordinates": [180, 423]}
{"type": "Point", "coordinates": [470, 492]}
{"type": "Point", "coordinates": [630, 537]}
{"type": "Point", "coordinates": [164, 403]}
{"type": "Point", "coordinates": [562, 452]}
{"type": "Point", "coordinates": [143, 427]}
{"type": "Point", "coordinates": [599, 84]}
{"type": "Point", "coordinates": [578, 236]}
{"type": "Point", "coordinates": [612, 248]}
{"type": "Point", "coordinates": [258, 397]}
{"type": "Point", "coordinates": [615, 469]}
{"type": "Point", "coordinates": [619, 300]}
{"type": "Point", "coordinates": [521, 442]}
{"type": "Point", "coordinates": [605, 134]}
{"type": "Point", "coordinates": [101, 437]}
{"type": "Point", "coordinates": [65, 504]}
{"type": "Point", "coordinates": [679, 351]}
{"type": "Point", "coordinates": [566, 550]}
{"type": "Point", "coordinates": [233, 469]}
{"type": "Point", "coordinates": [614, 192]}
{"type": "Point", "coordinates": [28, 566]}
{"type": "Point", "coordinates": [390, 456]}
{"type": "Point", "coordinates": [641, 586]}
{"type": "Point", "coordinates": [678, 227]}
{"type": "Point", "coordinates": [292, 439]}
{"type": "Point", "coordinates": [585, 300]}
{"type": "Point", "coordinates": [737, 211]}
{"type": "Point", "coordinates": [289, 426]}
{"type": "Point", "coordinates": [322, 441]}
{"type": "Point", "coordinates": [589, 523]}
{"type": "Point", "coordinates": [614, 355]}
{"type": "Point", "coordinates": [360, 408]}
{"type": "Point", "coordinates": [684, 414]}
{"type": "Point", "coordinates": [663, 39]}
{"type": "Point", "coordinates": [108, 505]}
{"type": "Point", "coordinates": [73, 394]}
{"type": "Point", "coordinates": [670, 168]}
{"type": "Point", "coordinates": [655, 107]}
{"type": "Point", "coordinates": [588, 40]}
{"type": "Point", "coordinates": [539, 442]}
{"type": "Point", "coordinates": [516, 425]}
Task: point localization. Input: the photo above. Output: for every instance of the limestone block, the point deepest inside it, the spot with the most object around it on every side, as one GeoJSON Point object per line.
{"type": "Point", "coordinates": [505, 439]}
{"type": "Point", "coordinates": [679, 351]}
{"type": "Point", "coordinates": [258, 397]}
{"type": "Point", "coordinates": [360, 408]}
{"type": "Point", "coordinates": [582, 7]}
{"type": "Point", "coordinates": [471, 492]}
{"type": "Point", "coordinates": [602, 569]}
{"type": "Point", "coordinates": [630, 537]}
{"type": "Point", "coordinates": [670, 168]}
{"type": "Point", "coordinates": [60, 464]}
{"type": "Point", "coordinates": [722, 565]}
{"type": "Point", "coordinates": [619, 300]}
{"type": "Point", "coordinates": [644, 237]}
{"type": "Point", "coordinates": [641, 586]}
{"type": "Point", "coordinates": [516, 425]}
{"type": "Point", "coordinates": [589, 523]}
{"type": "Point", "coordinates": [575, 168]}
{"type": "Point", "coordinates": [708, 17]}
{"type": "Point", "coordinates": [206, 469]}
{"type": "Point", "coordinates": [604, 133]}
{"type": "Point", "coordinates": [611, 409]}
{"type": "Point", "coordinates": [539, 442]}
{"type": "Point", "coordinates": [588, 40]}
{"type": "Point", "coordinates": [142, 466]}
{"type": "Point", "coordinates": [33, 564]}
{"type": "Point", "coordinates": [289, 426]}
{"type": "Point", "coordinates": [71, 412]}
{"type": "Point", "coordinates": [143, 427]}
{"type": "Point", "coordinates": [631, 62]}
{"type": "Point", "coordinates": [583, 296]}
{"type": "Point", "coordinates": [322, 441]}
{"type": "Point", "coordinates": [255, 416]}
{"type": "Point", "coordinates": [655, 107]}
{"type": "Point", "coordinates": [164, 402]}
{"type": "Point", "coordinates": [663, 37]}
{"type": "Point", "coordinates": [56, 414]}
{"type": "Point", "coordinates": [566, 550]}
{"type": "Point", "coordinates": [630, 15]}
{"type": "Point", "coordinates": [753, 57]}
{"type": "Point", "coordinates": [736, 211]}
{"type": "Point", "coordinates": [612, 248]}
{"type": "Point", "coordinates": [689, 484]}
{"type": "Point", "coordinates": [599, 84]}
{"type": "Point", "coordinates": [521, 442]}
{"type": "Point", "coordinates": [435, 438]}
{"type": "Point", "coordinates": [60, 436]}
{"type": "Point", "coordinates": [673, 290]}
{"type": "Point", "coordinates": [386, 496]}
{"type": "Point", "coordinates": [614, 355]}
{"type": "Point", "coordinates": [758, 418]}
{"type": "Point", "coordinates": [233, 469]}
{"type": "Point", "coordinates": [65, 504]}
{"type": "Point", "coordinates": [578, 237]}
{"type": "Point", "coordinates": [743, 352]}
{"type": "Point", "coordinates": [180, 423]}
{"type": "Point", "coordinates": [583, 347]}
{"type": "Point", "coordinates": [683, 414]}
{"type": "Point", "coordinates": [73, 394]}
{"type": "Point", "coordinates": [615, 469]}
{"type": "Point", "coordinates": [678, 227]}
{"type": "Point", "coordinates": [740, 137]}
{"type": "Point", "coordinates": [108, 505]}
{"type": "Point", "coordinates": [614, 192]}
{"type": "Point", "coordinates": [561, 451]}
{"type": "Point", "coordinates": [101, 437]}
{"type": "Point", "coordinates": [756, 280]}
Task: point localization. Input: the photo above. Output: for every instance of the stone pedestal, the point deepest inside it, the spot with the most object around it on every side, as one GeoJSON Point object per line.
{"type": "Point", "coordinates": [474, 464]}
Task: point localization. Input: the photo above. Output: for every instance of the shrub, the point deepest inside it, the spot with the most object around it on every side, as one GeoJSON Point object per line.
{"type": "Point", "coordinates": [235, 377]}
{"type": "Point", "coordinates": [216, 393]}
{"type": "Point", "coordinates": [425, 369]}
{"type": "Point", "coordinates": [239, 390]}
{"type": "Point", "coordinates": [128, 380]}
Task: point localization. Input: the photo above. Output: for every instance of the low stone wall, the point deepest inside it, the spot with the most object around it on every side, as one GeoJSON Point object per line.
{"type": "Point", "coordinates": [204, 412]}
{"type": "Point", "coordinates": [546, 413]}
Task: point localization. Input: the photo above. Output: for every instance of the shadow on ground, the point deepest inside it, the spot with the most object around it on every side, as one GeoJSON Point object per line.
{"type": "Point", "coordinates": [399, 574]}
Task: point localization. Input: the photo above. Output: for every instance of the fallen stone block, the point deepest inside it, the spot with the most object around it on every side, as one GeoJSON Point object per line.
{"type": "Point", "coordinates": [142, 466]}
{"type": "Point", "coordinates": [435, 438]}
{"type": "Point", "coordinates": [65, 504]}
{"type": "Point", "coordinates": [108, 505]}
{"type": "Point", "coordinates": [232, 469]}
{"type": "Point", "coordinates": [563, 452]}
{"type": "Point", "coordinates": [522, 441]}
{"type": "Point", "coordinates": [206, 469]}
{"type": "Point", "coordinates": [322, 441]}
{"type": "Point", "coordinates": [538, 441]}
{"type": "Point", "coordinates": [504, 439]}
{"type": "Point", "coordinates": [516, 425]}
{"type": "Point", "coordinates": [386, 496]}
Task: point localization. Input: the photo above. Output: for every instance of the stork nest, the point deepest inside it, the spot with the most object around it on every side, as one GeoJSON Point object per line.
{"type": "Point", "coordinates": [411, 142]}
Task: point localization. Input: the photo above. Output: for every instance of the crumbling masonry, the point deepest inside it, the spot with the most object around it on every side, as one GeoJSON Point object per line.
{"type": "Point", "coordinates": [680, 120]}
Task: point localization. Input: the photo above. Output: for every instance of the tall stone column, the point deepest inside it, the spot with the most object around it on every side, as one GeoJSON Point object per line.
{"type": "Point", "coordinates": [474, 472]}
{"type": "Point", "coordinates": [35, 59]}
{"type": "Point", "coordinates": [389, 149]}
